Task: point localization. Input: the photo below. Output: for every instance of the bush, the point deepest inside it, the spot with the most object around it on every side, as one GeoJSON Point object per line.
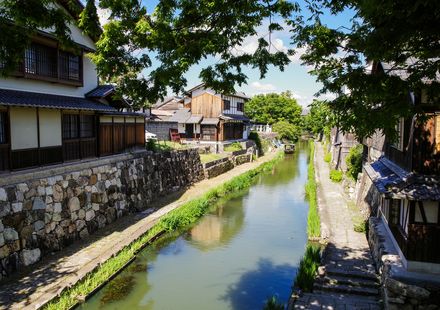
{"type": "Point", "coordinates": [307, 268]}
{"type": "Point", "coordinates": [354, 161]}
{"type": "Point", "coordinates": [336, 176]}
{"type": "Point", "coordinates": [151, 145]}
{"type": "Point", "coordinates": [328, 157]}
{"type": "Point", "coordinates": [286, 131]}
{"type": "Point", "coordinates": [253, 135]}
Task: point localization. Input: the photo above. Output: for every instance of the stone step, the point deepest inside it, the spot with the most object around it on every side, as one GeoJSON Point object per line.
{"type": "Point", "coordinates": [343, 288]}
{"type": "Point", "coordinates": [329, 300]}
{"type": "Point", "coordinates": [353, 281]}
{"type": "Point", "coordinates": [351, 273]}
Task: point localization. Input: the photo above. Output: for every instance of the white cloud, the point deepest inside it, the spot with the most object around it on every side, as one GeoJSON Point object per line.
{"type": "Point", "coordinates": [103, 14]}
{"type": "Point", "coordinates": [263, 87]}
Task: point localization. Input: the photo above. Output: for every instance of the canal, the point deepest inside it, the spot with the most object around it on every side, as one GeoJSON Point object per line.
{"type": "Point", "coordinates": [244, 251]}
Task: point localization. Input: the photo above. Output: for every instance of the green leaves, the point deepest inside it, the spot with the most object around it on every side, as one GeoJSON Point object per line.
{"type": "Point", "coordinates": [396, 33]}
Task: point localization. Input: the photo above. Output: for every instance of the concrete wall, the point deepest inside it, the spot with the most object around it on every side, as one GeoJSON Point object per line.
{"type": "Point", "coordinates": [161, 129]}
{"type": "Point", "coordinates": [45, 211]}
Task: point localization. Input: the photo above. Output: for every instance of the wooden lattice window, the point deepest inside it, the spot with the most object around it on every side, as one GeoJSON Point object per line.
{"type": "Point", "coordinates": [240, 106]}
{"type": "Point", "coordinates": [70, 126]}
{"type": "Point", "coordinates": [87, 126]}
{"type": "Point", "coordinates": [227, 104]}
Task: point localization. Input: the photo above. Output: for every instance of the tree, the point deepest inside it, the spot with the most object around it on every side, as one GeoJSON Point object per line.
{"type": "Point", "coordinates": [273, 108]}
{"type": "Point", "coordinates": [178, 34]}
{"type": "Point", "coordinates": [320, 119]}
{"type": "Point", "coordinates": [399, 33]}
{"type": "Point", "coordinates": [286, 131]}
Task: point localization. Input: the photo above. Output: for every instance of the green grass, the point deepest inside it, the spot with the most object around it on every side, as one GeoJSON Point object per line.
{"type": "Point", "coordinates": [328, 157]}
{"type": "Point", "coordinates": [164, 146]}
{"type": "Point", "coordinates": [205, 158]}
{"type": "Point", "coordinates": [336, 175]}
{"type": "Point", "coordinates": [236, 146]}
{"type": "Point", "coordinates": [179, 218]}
{"type": "Point", "coordinates": [307, 268]}
{"type": "Point", "coordinates": [313, 220]}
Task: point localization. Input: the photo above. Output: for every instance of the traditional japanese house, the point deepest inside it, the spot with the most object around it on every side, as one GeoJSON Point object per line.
{"type": "Point", "coordinates": [405, 174]}
{"type": "Point", "coordinates": [53, 110]}
{"type": "Point", "coordinates": [210, 117]}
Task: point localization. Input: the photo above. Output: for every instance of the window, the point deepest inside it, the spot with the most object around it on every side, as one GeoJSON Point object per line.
{"type": "Point", "coordinates": [71, 130]}
{"type": "Point", "coordinates": [227, 104]}
{"type": "Point", "coordinates": [87, 125]}
{"type": "Point", "coordinates": [49, 62]}
{"type": "Point", "coordinates": [70, 126]}
{"type": "Point", "coordinates": [3, 119]}
{"type": "Point", "coordinates": [398, 144]}
{"type": "Point", "coordinates": [240, 106]}
{"type": "Point", "coordinates": [69, 66]}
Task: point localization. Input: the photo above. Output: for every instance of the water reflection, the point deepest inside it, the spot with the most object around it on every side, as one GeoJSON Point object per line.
{"type": "Point", "coordinates": [242, 252]}
{"type": "Point", "coordinates": [219, 227]}
{"type": "Point", "coordinates": [256, 286]}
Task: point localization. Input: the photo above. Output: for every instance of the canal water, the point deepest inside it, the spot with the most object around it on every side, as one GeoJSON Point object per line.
{"type": "Point", "coordinates": [244, 251]}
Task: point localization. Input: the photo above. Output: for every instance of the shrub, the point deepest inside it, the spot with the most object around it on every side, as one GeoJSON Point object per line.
{"type": "Point", "coordinates": [336, 176]}
{"type": "Point", "coordinates": [151, 145]}
{"type": "Point", "coordinates": [286, 131]}
{"type": "Point", "coordinates": [307, 268]}
{"type": "Point", "coordinates": [328, 157]}
{"type": "Point", "coordinates": [354, 161]}
{"type": "Point", "coordinates": [253, 135]}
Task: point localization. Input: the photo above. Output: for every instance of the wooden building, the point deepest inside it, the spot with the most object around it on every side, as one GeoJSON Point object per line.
{"type": "Point", "coordinates": [406, 175]}
{"type": "Point", "coordinates": [52, 109]}
{"type": "Point", "coordinates": [209, 117]}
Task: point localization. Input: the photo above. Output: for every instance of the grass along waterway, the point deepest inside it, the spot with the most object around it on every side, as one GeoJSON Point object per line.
{"type": "Point", "coordinates": [245, 250]}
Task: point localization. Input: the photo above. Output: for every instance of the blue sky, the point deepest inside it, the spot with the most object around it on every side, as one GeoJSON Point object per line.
{"type": "Point", "coordinates": [295, 76]}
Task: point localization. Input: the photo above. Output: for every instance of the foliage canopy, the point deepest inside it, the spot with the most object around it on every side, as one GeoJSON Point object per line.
{"type": "Point", "coordinates": [273, 108]}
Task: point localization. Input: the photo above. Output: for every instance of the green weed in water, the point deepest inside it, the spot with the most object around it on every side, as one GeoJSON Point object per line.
{"type": "Point", "coordinates": [273, 304]}
{"type": "Point", "coordinates": [117, 289]}
{"type": "Point", "coordinates": [313, 220]}
{"type": "Point", "coordinates": [307, 268]}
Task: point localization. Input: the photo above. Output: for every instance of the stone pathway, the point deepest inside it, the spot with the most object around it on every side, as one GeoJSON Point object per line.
{"type": "Point", "coordinates": [347, 279]}
{"type": "Point", "coordinates": [51, 276]}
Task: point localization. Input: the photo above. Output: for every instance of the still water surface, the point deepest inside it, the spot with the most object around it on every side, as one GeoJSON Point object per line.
{"type": "Point", "coordinates": [244, 251]}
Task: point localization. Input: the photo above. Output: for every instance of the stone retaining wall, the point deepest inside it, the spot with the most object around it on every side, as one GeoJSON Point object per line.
{"type": "Point", "coordinates": [220, 166]}
{"type": "Point", "coordinates": [400, 289]}
{"type": "Point", "coordinates": [42, 215]}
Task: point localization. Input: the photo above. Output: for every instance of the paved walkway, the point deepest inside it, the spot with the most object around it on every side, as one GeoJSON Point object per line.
{"type": "Point", "coordinates": [347, 278]}
{"type": "Point", "coordinates": [54, 274]}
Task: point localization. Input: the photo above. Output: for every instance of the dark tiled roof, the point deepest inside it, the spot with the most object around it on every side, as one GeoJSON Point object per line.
{"type": "Point", "coordinates": [235, 117]}
{"type": "Point", "coordinates": [29, 99]}
{"type": "Point", "coordinates": [394, 182]}
{"type": "Point", "coordinates": [101, 91]}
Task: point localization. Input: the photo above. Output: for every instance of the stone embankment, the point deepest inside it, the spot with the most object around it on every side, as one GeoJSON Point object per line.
{"type": "Point", "coordinates": [222, 165]}
{"type": "Point", "coordinates": [47, 213]}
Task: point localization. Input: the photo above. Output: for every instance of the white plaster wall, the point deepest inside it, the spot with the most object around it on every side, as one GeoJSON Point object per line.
{"type": "Point", "coordinates": [181, 128]}
{"type": "Point", "coordinates": [197, 128]}
{"type": "Point", "coordinates": [50, 127]}
{"type": "Point", "coordinates": [233, 106]}
{"type": "Point", "coordinates": [24, 134]}
{"type": "Point", "coordinates": [105, 119]}
{"type": "Point", "coordinates": [118, 120]}
{"type": "Point", "coordinates": [129, 119]}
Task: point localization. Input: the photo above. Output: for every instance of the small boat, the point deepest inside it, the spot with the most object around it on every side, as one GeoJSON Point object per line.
{"type": "Point", "coordinates": [289, 148]}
